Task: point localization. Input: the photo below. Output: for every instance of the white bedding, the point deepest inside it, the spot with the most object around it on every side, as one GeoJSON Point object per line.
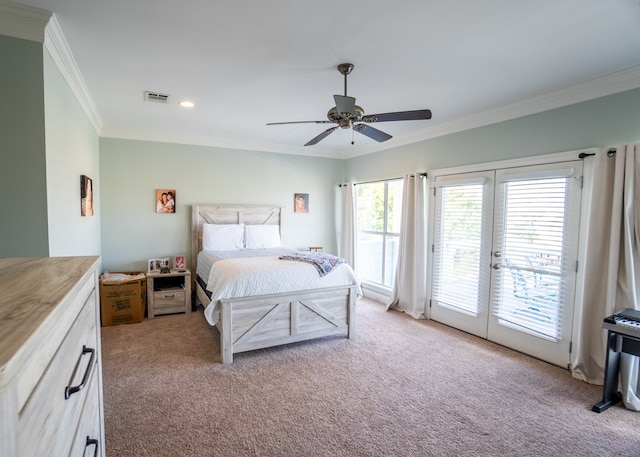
{"type": "Point", "coordinates": [245, 273]}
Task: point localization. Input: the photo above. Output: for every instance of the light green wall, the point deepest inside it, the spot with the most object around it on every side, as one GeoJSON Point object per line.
{"type": "Point", "coordinates": [23, 205]}
{"type": "Point", "coordinates": [131, 171]}
{"type": "Point", "coordinates": [46, 143]}
{"type": "Point", "coordinates": [603, 122]}
{"type": "Point", "coordinates": [72, 150]}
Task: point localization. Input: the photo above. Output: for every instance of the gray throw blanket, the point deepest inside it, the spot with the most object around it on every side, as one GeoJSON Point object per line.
{"type": "Point", "coordinates": [324, 263]}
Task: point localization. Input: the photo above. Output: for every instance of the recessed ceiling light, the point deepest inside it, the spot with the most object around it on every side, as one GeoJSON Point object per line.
{"type": "Point", "coordinates": [186, 104]}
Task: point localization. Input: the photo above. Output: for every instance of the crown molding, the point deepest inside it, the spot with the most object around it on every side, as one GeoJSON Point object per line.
{"type": "Point", "coordinates": [58, 48]}
{"type": "Point", "coordinates": [34, 24]}
{"type": "Point", "coordinates": [24, 22]}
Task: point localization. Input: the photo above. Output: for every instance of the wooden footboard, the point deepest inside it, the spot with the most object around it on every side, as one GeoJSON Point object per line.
{"type": "Point", "coordinates": [258, 322]}
{"type": "Point", "coordinates": [264, 321]}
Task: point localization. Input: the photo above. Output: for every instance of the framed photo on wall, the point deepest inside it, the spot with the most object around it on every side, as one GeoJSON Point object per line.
{"type": "Point", "coordinates": [86, 196]}
{"type": "Point", "coordinates": [300, 203]}
{"type": "Point", "coordinates": [165, 200]}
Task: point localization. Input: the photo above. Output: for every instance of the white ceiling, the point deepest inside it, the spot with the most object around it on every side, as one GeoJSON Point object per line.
{"type": "Point", "coordinates": [249, 62]}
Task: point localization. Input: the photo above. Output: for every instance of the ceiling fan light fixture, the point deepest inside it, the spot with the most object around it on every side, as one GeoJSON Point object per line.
{"type": "Point", "coordinates": [345, 123]}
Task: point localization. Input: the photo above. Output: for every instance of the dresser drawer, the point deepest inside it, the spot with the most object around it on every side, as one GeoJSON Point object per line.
{"type": "Point", "coordinates": [44, 351]}
{"type": "Point", "coordinates": [48, 421]}
{"type": "Point", "coordinates": [169, 298]}
{"type": "Point", "coordinates": [87, 441]}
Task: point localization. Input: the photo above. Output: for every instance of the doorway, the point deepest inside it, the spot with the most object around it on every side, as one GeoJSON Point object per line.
{"type": "Point", "coordinates": [504, 255]}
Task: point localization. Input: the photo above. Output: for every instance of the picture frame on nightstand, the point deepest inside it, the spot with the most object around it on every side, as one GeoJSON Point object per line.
{"type": "Point", "coordinates": [178, 262]}
{"type": "Point", "coordinates": [158, 264]}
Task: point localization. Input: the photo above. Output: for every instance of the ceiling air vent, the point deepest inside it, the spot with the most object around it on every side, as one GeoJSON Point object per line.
{"type": "Point", "coordinates": [156, 97]}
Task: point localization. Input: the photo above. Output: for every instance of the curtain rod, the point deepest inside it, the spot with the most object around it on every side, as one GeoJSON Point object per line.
{"type": "Point", "coordinates": [422, 175]}
{"type": "Point", "coordinates": [584, 155]}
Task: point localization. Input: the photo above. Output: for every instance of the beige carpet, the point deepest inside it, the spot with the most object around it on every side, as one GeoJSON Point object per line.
{"type": "Point", "coordinates": [402, 387]}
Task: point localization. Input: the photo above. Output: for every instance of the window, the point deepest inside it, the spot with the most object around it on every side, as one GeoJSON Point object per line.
{"type": "Point", "coordinates": [379, 208]}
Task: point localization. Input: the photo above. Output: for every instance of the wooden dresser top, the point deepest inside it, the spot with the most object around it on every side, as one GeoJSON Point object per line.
{"type": "Point", "coordinates": [30, 288]}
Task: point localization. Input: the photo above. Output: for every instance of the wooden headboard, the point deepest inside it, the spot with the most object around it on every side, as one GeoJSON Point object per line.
{"type": "Point", "coordinates": [227, 214]}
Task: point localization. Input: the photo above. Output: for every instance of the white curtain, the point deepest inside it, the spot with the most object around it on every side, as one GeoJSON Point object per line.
{"type": "Point", "coordinates": [409, 289]}
{"type": "Point", "coordinates": [628, 284]}
{"type": "Point", "coordinates": [611, 272]}
{"type": "Point", "coordinates": [348, 226]}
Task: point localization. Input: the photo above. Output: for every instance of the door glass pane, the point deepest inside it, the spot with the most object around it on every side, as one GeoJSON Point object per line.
{"type": "Point", "coordinates": [529, 251]}
{"type": "Point", "coordinates": [457, 253]}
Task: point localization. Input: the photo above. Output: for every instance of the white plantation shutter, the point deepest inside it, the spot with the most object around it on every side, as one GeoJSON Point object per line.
{"type": "Point", "coordinates": [459, 278]}
{"type": "Point", "coordinates": [531, 255]}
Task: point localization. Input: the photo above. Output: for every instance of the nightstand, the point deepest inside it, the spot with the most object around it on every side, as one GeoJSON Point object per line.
{"type": "Point", "coordinates": [168, 293]}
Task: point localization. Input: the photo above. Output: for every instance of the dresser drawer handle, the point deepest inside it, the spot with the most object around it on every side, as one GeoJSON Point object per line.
{"type": "Point", "coordinates": [92, 442]}
{"type": "Point", "coordinates": [170, 296]}
{"type": "Point", "coordinates": [70, 390]}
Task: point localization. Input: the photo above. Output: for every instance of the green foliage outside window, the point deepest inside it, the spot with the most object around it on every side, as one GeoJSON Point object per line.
{"type": "Point", "coordinates": [378, 207]}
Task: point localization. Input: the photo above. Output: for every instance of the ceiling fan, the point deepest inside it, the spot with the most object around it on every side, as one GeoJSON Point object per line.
{"type": "Point", "coordinates": [348, 115]}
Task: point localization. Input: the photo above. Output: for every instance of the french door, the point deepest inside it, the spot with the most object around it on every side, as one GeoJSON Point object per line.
{"type": "Point", "coordinates": [504, 257]}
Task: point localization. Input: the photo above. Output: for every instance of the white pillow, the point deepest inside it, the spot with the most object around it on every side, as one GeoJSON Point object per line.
{"type": "Point", "coordinates": [262, 236]}
{"type": "Point", "coordinates": [222, 237]}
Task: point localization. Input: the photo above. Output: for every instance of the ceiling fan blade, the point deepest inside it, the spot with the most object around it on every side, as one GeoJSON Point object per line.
{"type": "Point", "coordinates": [323, 135]}
{"type": "Point", "coordinates": [300, 122]}
{"type": "Point", "coordinates": [345, 104]}
{"type": "Point", "coordinates": [398, 116]}
{"type": "Point", "coordinates": [372, 133]}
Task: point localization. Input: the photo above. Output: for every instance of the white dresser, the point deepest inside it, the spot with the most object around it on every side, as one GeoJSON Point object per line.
{"type": "Point", "coordinates": [50, 361]}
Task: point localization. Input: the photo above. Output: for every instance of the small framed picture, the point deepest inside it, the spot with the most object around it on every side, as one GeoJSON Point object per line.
{"type": "Point", "coordinates": [86, 196]}
{"type": "Point", "coordinates": [165, 200]}
{"type": "Point", "coordinates": [300, 203]}
{"type": "Point", "coordinates": [158, 264]}
{"type": "Point", "coordinates": [178, 262]}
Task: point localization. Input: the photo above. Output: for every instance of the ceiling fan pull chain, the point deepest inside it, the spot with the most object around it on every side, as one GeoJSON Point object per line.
{"type": "Point", "coordinates": [353, 140]}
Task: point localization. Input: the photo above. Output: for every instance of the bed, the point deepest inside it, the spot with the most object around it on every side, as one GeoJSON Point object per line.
{"type": "Point", "coordinates": [255, 299]}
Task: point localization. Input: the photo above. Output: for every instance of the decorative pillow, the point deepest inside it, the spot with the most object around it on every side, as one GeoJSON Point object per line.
{"type": "Point", "coordinates": [262, 236]}
{"type": "Point", "coordinates": [222, 237]}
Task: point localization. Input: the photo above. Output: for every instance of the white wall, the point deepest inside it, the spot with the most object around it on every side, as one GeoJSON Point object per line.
{"type": "Point", "coordinates": [131, 171]}
{"type": "Point", "coordinates": [71, 150]}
